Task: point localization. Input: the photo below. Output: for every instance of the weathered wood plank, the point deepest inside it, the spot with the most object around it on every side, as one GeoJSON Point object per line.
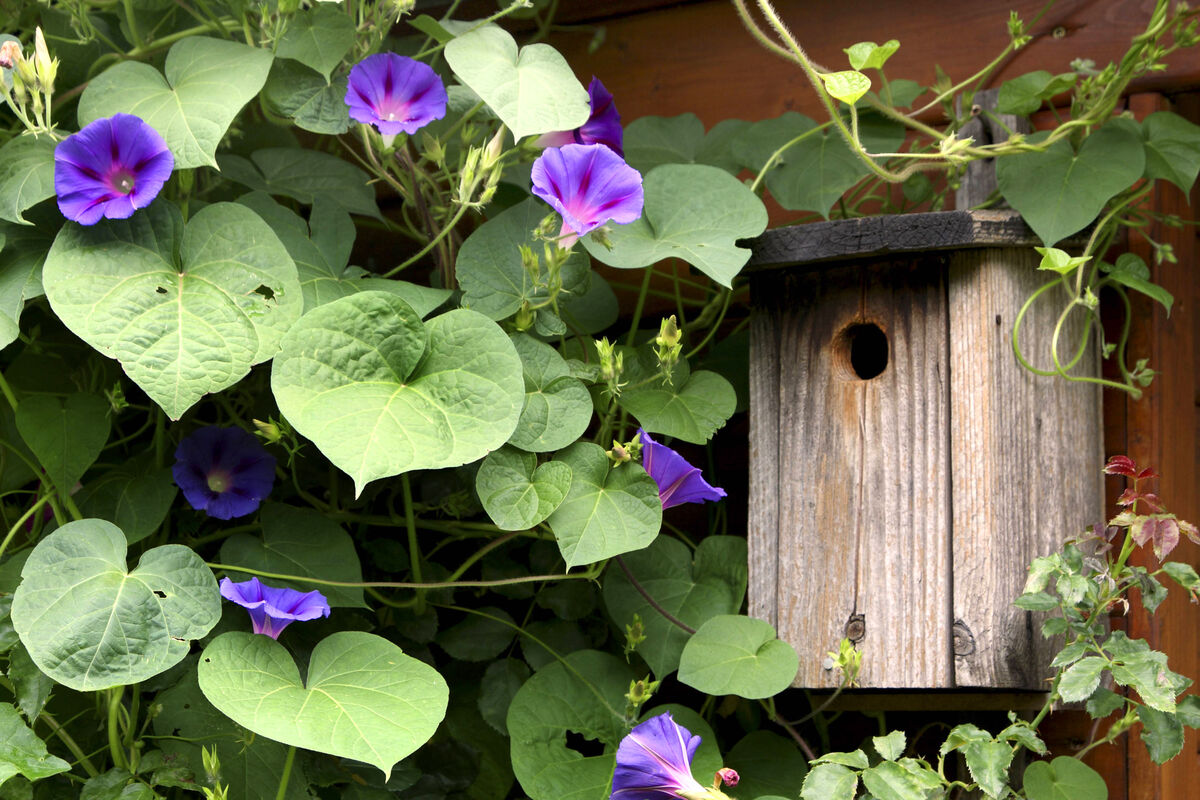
{"type": "Point", "coordinates": [798, 246]}
{"type": "Point", "coordinates": [1026, 452]}
{"type": "Point", "coordinates": [764, 495]}
{"type": "Point", "coordinates": [863, 487]}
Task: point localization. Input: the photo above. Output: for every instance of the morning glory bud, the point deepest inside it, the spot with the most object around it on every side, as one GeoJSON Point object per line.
{"type": "Point", "coordinates": [46, 67]}
{"type": "Point", "coordinates": [10, 53]}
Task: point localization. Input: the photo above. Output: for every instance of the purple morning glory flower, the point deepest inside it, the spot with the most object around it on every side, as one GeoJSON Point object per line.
{"type": "Point", "coordinates": [271, 609]}
{"type": "Point", "coordinates": [223, 472]}
{"type": "Point", "coordinates": [654, 763]}
{"type": "Point", "coordinates": [395, 93]}
{"type": "Point", "coordinates": [602, 127]}
{"type": "Point", "coordinates": [589, 185]}
{"type": "Point", "coordinates": [678, 481]}
{"type": "Point", "coordinates": [111, 168]}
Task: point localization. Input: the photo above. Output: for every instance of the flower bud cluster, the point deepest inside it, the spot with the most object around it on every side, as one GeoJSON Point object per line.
{"type": "Point", "coordinates": [612, 364]}
{"type": "Point", "coordinates": [29, 85]}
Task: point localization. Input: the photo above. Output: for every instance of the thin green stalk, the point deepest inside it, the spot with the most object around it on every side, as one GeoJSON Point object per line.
{"type": "Point", "coordinates": [434, 242]}
{"type": "Point", "coordinates": [69, 743]}
{"type": "Point", "coordinates": [287, 773]}
{"type": "Point", "coordinates": [639, 307]}
{"type": "Point", "coordinates": [8, 392]}
{"type": "Point", "coordinates": [115, 748]}
{"type": "Point", "coordinates": [21, 521]}
{"type": "Point", "coordinates": [308, 579]}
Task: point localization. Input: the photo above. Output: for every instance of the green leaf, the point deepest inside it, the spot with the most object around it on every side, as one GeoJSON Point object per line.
{"type": "Point", "coordinates": [767, 764]}
{"type": "Point", "coordinates": [1025, 94]}
{"type": "Point", "coordinates": [1059, 191]}
{"type": "Point", "coordinates": [585, 695]}
{"type": "Point", "coordinates": [363, 698]}
{"type": "Point", "coordinates": [1132, 272]}
{"type": "Point", "coordinates": [1060, 261]}
{"type": "Point", "coordinates": [692, 212]}
{"type": "Point", "coordinates": [1022, 734]}
{"type": "Point", "coordinates": [135, 496]}
{"type": "Point", "coordinates": [26, 175]}
{"type": "Point", "coordinates": [313, 103]}
{"type": "Point", "coordinates": [31, 687]}
{"type": "Point", "coordinates": [1070, 654]}
{"type": "Point", "coordinates": [532, 91]}
{"type": "Point", "coordinates": [1104, 702]}
{"type": "Point", "coordinates": [479, 638]}
{"type": "Point", "coordinates": [318, 38]}
{"type": "Point", "coordinates": [1172, 149]}
{"type": "Point", "coordinates": [651, 141]}
{"type": "Point", "coordinates": [251, 766]}
{"type": "Point", "coordinates": [1064, 778]}
{"type": "Point", "coordinates": [692, 407]}
{"type": "Point", "coordinates": [692, 594]}
{"type": "Point", "coordinates": [1188, 711]}
{"type": "Point", "coordinates": [22, 752]}
{"type": "Point", "coordinates": [1036, 601]}
{"type": "Point", "coordinates": [738, 655]}
{"type": "Point", "coordinates": [22, 253]}
{"type": "Point", "coordinates": [558, 407]}
{"type": "Point", "coordinates": [1183, 574]}
{"type": "Point", "coordinates": [517, 493]}
{"type": "Point", "coordinates": [8, 635]}
{"type": "Point", "coordinates": [90, 624]}
{"type": "Point", "coordinates": [497, 688]}
{"type": "Point", "coordinates": [868, 55]}
{"type": "Point", "coordinates": [891, 781]}
{"type": "Point", "coordinates": [431, 28]}
{"type": "Point", "coordinates": [303, 175]}
{"type": "Point", "coordinates": [1162, 734]}
{"type": "Point", "coordinates": [890, 747]}
{"type": "Point", "coordinates": [1147, 673]}
{"type": "Point", "coordinates": [186, 310]}
{"type": "Point", "coordinates": [989, 763]}
{"type": "Point", "coordinates": [608, 510]}
{"type": "Point", "coordinates": [830, 782]}
{"type": "Point", "coordinates": [856, 759]}
{"type": "Point", "coordinates": [381, 393]}
{"type": "Point", "coordinates": [300, 541]}
{"type": "Point", "coordinates": [490, 270]}
{"type": "Point", "coordinates": [207, 83]}
{"type": "Point", "coordinates": [321, 261]}
{"type": "Point", "coordinates": [848, 86]}
{"type": "Point", "coordinates": [65, 433]}
{"type": "Point", "coordinates": [1081, 679]}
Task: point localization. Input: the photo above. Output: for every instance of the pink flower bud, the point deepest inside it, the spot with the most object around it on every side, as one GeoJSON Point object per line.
{"type": "Point", "coordinates": [728, 776]}
{"type": "Point", "coordinates": [10, 53]}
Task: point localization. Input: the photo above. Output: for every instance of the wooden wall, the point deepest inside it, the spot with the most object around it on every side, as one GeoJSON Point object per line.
{"type": "Point", "coordinates": [670, 58]}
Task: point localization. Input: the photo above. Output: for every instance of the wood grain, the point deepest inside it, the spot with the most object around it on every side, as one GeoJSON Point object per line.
{"type": "Point", "coordinates": [862, 483]}
{"type": "Point", "coordinates": [1025, 455]}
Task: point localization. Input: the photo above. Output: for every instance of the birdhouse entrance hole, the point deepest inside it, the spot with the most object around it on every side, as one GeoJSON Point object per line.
{"type": "Point", "coordinates": [863, 350]}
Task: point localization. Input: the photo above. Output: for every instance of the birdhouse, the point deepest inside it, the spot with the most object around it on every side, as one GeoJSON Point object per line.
{"type": "Point", "coordinates": [904, 467]}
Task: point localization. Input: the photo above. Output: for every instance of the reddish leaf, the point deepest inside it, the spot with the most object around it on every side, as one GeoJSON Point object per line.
{"type": "Point", "coordinates": [1121, 465]}
{"type": "Point", "coordinates": [1189, 530]}
{"type": "Point", "coordinates": [1148, 472]}
{"type": "Point", "coordinates": [1161, 529]}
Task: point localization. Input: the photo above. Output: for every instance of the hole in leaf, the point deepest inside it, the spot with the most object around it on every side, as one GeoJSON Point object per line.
{"type": "Point", "coordinates": [581, 744]}
{"type": "Point", "coordinates": [266, 291]}
{"type": "Point", "coordinates": [159, 593]}
{"type": "Point", "coordinates": [861, 350]}
{"type": "Point", "coordinates": [161, 290]}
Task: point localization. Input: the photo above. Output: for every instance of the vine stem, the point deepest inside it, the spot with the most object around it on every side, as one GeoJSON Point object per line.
{"type": "Point", "coordinates": [306, 579]}
{"type": "Point", "coordinates": [21, 521]}
{"type": "Point", "coordinates": [70, 743]}
{"type": "Point", "coordinates": [287, 773]}
{"type": "Point", "coordinates": [115, 748]}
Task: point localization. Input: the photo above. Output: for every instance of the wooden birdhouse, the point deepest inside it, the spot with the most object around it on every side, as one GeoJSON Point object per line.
{"type": "Point", "coordinates": [904, 467]}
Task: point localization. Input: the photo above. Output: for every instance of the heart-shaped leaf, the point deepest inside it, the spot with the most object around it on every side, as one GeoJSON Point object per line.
{"type": "Point", "coordinates": [134, 495]}
{"type": "Point", "coordinates": [186, 310]}
{"type": "Point", "coordinates": [22, 253]}
{"type": "Point", "coordinates": [494, 281]}
{"type": "Point", "coordinates": [1059, 191]}
{"type": "Point", "coordinates": [207, 83]}
{"type": "Point", "coordinates": [692, 407]}
{"type": "Point", "coordinates": [868, 55]}
{"type": "Point", "coordinates": [518, 494]}
{"type": "Point", "coordinates": [322, 260]}
{"type": "Point", "coordinates": [651, 141]}
{"type": "Point", "coordinates": [737, 655]}
{"type": "Point", "coordinates": [1064, 778]}
{"type": "Point", "coordinates": [533, 91]}
{"type": "Point", "coordinates": [318, 38]}
{"type": "Point", "coordinates": [692, 212]}
{"type": "Point", "coordinates": [26, 175]}
{"type": "Point", "coordinates": [767, 764]}
{"type": "Point", "coordinates": [300, 541]}
{"type": "Point", "coordinates": [557, 407]}
{"type": "Point", "coordinates": [303, 175]}
{"type": "Point", "coordinates": [693, 595]}
{"type": "Point", "coordinates": [586, 696]}
{"type": "Point", "coordinates": [1025, 94]}
{"type": "Point", "coordinates": [363, 697]}
{"type": "Point", "coordinates": [1172, 149]}
{"type": "Point", "coordinates": [91, 624]}
{"type": "Point", "coordinates": [848, 85]}
{"type": "Point", "coordinates": [65, 433]}
{"type": "Point", "coordinates": [313, 103]}
{"type": "Point", "coordinates": [22, 752]}
{"type": "Point", "coordinates": [608, 510]}
{"type": "Point", "coordinates": [381, 393]}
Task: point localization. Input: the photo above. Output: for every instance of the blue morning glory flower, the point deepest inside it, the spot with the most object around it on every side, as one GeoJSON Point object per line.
{"type": "Point", "coordinates": [654, 762]}
{"type": "Point", "coordinates": [395, 93]}
{"type": "Point", "coordinates": [589, 185]}
{"type": "Point", "coordinates": [678, 481]}
{"type": "Point", "coordinates": [223, 472]}
{"type": "Point", "coordinates": [273, 609]}
{"type": "Point", "coordinates": [111, 168]}
{"type": "Point", "coordinates": [602, 127]}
